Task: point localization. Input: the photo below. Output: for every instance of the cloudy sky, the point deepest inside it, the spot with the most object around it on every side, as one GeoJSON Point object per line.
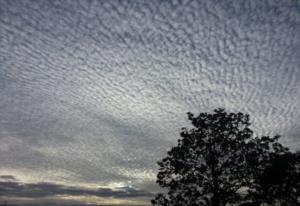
{"type": "Point", "coordinates": [93, 93]}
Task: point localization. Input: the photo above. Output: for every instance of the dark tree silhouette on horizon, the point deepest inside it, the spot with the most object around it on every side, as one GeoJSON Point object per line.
{"type": "Point", "coordinates": [276, 179]}
{"type": "Point", "coordinates": [217, 161]}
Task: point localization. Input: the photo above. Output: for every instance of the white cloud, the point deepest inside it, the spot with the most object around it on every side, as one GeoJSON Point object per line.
{"type": "Point", "coordinates": [86, 88]}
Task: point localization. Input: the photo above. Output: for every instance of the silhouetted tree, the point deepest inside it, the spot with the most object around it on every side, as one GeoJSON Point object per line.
{"type": "Point", "coordinates": [218, 161]}
{"type": "Point", "coordinates": [208, 166]}
{"type": "Point", "coordinates": [276, 175]}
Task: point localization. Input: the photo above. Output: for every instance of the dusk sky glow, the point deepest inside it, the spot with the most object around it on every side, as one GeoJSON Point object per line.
{"type": "Point", "coordinates": [94, 93]}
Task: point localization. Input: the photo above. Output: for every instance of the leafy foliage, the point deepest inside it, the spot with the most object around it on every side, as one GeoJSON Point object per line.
{"type": "Point", "coordinates": [207, 167]}
{"type": "Point", "coordinates": [276, 179]}
{"type": "Point", "coordinates": [218, 160]}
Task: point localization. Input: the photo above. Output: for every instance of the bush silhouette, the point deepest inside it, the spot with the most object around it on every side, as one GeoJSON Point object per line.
{"type": "Point", "coordinates": [218, 161]}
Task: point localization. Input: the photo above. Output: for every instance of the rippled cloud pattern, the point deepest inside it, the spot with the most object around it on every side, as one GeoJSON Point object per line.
{"type": "Point", "coordinates": [95, 92]}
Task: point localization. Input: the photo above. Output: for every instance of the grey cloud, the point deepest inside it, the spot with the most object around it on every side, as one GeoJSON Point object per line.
{"type": "Point", "coordinates": [38, 190]}
{"type": "Point", "coordinates": [7, 177]}
{"type": "Point", "coordinates": [98, 90]}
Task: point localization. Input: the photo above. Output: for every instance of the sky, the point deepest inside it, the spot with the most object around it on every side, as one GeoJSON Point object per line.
{"type": "Point", "coordinates": [94, 93]}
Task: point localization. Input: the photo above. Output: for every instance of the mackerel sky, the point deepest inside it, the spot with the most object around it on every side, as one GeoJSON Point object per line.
{"type": "Point", "coordinates": [93, 93]}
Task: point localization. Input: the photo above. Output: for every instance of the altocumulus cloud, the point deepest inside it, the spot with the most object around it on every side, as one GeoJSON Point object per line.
{"type": "Point", "coordinates": [94, 92]}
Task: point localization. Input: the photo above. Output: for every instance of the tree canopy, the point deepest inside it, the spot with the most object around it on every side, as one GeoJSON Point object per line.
{"type": "Point", "coordinates": [218, 161]}
{"type": "Point", "coordinates": [276, 177]}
